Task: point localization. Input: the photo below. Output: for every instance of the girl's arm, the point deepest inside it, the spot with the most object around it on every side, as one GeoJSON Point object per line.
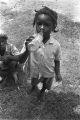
{"type": "Point", "coordinates": [23, 56]}
{"type": "Point", "coordinates": [57, 70]}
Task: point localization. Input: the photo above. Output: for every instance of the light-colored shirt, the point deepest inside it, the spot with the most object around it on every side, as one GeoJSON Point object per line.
{"type": "Point", "coordinates": [41, 61]}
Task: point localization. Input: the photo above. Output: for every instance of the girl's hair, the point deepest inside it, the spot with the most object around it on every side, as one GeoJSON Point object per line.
{"type": "Point", "coordinates": [52, 14]}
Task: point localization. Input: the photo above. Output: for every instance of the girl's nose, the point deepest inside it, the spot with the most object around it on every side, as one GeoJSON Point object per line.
{"type": "Point", "coordinates": [42, 27]}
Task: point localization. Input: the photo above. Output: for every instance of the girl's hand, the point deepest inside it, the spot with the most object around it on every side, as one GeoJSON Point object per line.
{"type": "Point", "coordinates": [28, 41]}
{"type": "Point", "coordinates": [58, 77]}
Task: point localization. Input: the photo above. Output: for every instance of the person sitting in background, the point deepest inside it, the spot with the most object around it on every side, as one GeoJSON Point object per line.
{"type": "Point", "coordinates": [8, 49]}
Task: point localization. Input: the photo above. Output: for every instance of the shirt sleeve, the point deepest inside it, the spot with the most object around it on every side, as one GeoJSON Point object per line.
{"type": "Point", "coordinates": [14, 50]}
{"type": "Point", "coordinates": [23, 48]}
{"type": "Point", "coordinates": [58, 53]}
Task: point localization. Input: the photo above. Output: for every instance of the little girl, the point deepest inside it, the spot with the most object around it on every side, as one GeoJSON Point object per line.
{"type": "Point", "coordinates": [44, 60]}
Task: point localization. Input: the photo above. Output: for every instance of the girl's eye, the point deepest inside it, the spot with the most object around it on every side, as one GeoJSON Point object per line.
{"type": "Point", "coordinates": [46, 24]}
{"type": "Point", "coordinates": [39, 23]}
{"type": "Point", "coordinates": [42, 24]}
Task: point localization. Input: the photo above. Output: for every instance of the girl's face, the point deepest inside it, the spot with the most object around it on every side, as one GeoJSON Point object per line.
{"type": "Point", "coordinates": [44, 24]}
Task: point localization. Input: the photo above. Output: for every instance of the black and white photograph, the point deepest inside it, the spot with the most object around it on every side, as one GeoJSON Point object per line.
{"type": "Point", "coordinates": [39, 59]}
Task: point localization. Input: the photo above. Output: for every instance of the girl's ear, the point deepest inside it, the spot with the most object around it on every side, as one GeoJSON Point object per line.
{"type": "Point", "coordinates": [34, 12]}
{"type": "Point", "coordinates": [55, 29]}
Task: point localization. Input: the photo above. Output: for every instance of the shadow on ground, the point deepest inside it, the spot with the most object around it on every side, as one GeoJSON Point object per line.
{"type": "Point", "coordinates": [60, 106]}
{"type": "Point", "coordinates": [18, 105]}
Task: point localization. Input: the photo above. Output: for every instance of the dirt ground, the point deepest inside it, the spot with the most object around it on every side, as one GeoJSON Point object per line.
{"type": "Point", "coordinates": [61, 103]}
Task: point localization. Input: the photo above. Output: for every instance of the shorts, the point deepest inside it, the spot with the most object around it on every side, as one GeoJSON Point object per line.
{"type": "Point", "coordinates": [47, 82]}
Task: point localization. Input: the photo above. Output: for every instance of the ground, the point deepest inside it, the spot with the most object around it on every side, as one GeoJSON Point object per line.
{"type": "Point", "coordinates": [61, 103]}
